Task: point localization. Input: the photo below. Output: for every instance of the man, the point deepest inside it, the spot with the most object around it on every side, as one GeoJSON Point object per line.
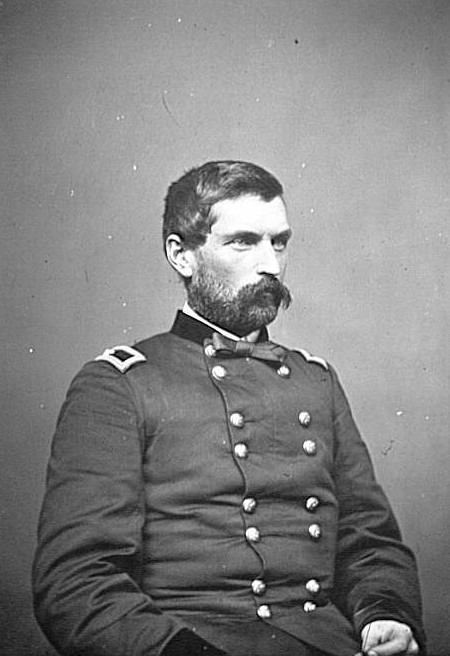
{"type": "Point", "coordinates": [208, 491]}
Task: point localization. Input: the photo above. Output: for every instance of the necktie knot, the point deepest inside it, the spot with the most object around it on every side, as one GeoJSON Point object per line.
{"type": "Point", "coordinates": [267, 351]}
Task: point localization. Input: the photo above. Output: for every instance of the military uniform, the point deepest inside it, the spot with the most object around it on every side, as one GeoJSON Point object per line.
{"type": "Point", "coordinates": [193, 492]}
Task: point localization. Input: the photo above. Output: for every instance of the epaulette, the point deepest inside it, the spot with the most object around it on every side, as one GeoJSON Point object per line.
{"type": "Point", "coordinates": [314, 358]}
{"type": "Point", "coordinates": [122, 357]}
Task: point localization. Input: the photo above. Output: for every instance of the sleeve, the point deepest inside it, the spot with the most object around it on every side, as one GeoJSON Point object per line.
{"type": "Point", "coordinates": [87, 564]}
{"type": "Point", "coordinates": [376, 574]}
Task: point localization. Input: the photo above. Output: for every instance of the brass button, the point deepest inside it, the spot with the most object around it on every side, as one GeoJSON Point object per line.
{"type": "Point", "coordinates": [310, 447]}
{"type": "Point", "coordinates": [249, 505]}
{"type": "Point", "coordinates": [258, 587]}
{"type": "Point", "coordinates": [240, 450]}
{"type": "Point", "coordinates": [237, 419]}
{"type": "Point", "coordinates": [309, 606]}
{"type": "Point", "coordinates": [219, 372]}
{"type": "Point", "coordinates": [264, 612]}
{"type": "Point", "coordinates": [315, 531]}
{"type": "Point", "coordinates": [312, 586]}
{"type": "Point", "coordinates": [210, 351]}
{"type": "Point", "coordinates": [252, 534]}
{"type": "Point", "coordinates": [284, 371]}
{"type": "Point", "coordinates": [304, 419]}
{"type": "Point", "coordinates": [311, 504]}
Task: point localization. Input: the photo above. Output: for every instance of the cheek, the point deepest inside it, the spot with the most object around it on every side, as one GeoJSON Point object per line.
{"type": "Point", "coordinates": [234, 271]}
{"type": "Point", "coordinates": [244, 273]}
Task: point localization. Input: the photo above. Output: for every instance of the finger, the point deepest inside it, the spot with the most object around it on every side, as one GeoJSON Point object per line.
{"type": "Point", "coordinates": [413, 648]}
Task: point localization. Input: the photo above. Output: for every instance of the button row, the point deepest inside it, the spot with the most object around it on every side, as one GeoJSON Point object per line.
{"type": "Point", "coordinates": [219, 372]}
{"type": "Point", "coordinates": [249, 504]}
{"type": "Point", "coordinates": [253, 534]}
{"type": "Point", "coordinates": [241, 450]}
{"type": "Point", "coordinates": [237, 419]}
{"type": "Point", "coordinates": [309, 446]}
{"type": "Point", "coordinates": [264, 611]}
{"type": "Point", "coordinates": [259, 586]}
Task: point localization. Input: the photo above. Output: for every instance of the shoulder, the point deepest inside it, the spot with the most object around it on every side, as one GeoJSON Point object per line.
{"type": "Point", "coordinates": [125, 358]}
{"type": "Point", "coordinates": [312, 359]}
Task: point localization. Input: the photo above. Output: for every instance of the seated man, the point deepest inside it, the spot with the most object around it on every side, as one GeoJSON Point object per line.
{"type": "Point", "coordinates": [208, 491]}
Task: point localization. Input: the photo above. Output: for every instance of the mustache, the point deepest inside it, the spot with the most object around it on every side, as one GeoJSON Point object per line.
{"type": "Point", "coordinates": [268, 288]}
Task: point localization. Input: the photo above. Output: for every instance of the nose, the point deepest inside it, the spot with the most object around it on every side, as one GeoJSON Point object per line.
{"type": "Point", "coordinates": [268, 259]}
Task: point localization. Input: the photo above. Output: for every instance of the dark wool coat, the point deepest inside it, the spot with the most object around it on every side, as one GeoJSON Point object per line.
{"type": "Point", "coordinates": [223, 496]}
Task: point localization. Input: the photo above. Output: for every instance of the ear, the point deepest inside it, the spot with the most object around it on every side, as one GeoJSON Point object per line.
{"type": "Point", "coordinates": [180, 257]}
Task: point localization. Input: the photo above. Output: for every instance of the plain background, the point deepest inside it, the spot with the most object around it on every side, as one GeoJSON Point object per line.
{"type": "Point", "coordinates": [104, 103]}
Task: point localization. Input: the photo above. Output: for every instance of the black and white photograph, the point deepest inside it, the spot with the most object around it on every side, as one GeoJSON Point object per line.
{"type": "Point", "coordinates": [224, 285]}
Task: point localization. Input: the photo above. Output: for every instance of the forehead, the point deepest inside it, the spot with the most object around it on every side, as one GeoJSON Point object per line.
{"type": "Point", "coordinates": [250, 213]}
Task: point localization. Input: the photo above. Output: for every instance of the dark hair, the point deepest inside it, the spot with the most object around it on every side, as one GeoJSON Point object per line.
{"type": "Point", "coordinates": [189, 201]}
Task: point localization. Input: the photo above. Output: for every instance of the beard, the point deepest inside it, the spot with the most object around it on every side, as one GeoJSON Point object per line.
{"type": "Point", "coordinates": [242, 312]}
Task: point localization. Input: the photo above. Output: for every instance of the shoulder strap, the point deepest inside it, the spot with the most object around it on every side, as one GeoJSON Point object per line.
{"type": "Point", "coordinates": [121, 357]}
{"type": "Point", "coordinates": [314, 358]}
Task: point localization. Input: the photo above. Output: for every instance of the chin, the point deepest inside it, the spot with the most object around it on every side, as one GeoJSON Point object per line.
{"type": "Point", "coordinates": [257, 319]}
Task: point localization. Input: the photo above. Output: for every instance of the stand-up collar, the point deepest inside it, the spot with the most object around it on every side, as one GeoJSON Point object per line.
{"type": "Point", "coordinates": [196, 331]}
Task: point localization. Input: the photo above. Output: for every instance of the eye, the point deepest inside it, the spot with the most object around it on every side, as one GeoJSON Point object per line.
{"type": "Point", "coordinates": [243, 242]}
{"type": "Point", "coordinates": [280, 243]}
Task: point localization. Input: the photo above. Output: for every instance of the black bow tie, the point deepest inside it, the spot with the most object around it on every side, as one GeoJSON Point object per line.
{"type": "Point", "coordinates": [267, 351]}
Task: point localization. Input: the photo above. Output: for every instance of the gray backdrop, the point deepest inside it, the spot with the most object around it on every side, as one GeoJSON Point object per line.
{"type": "Point", "coordinates": [105, 102]}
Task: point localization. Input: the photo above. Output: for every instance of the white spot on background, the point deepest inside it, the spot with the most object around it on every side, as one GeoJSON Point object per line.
{"type": "Point", "coordinates": [31, 350]}
{"type": "Point", "coordinates": [399, 413]}
{"type": "Point", "coordinates": [72, 192]}
{"type": "Point", "coordinates": [110, 236]}
{"type": "Point", "coordinates": [135, 167]}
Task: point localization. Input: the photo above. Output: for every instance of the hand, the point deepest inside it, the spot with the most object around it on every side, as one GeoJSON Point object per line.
{"type": "Point", "coordinates": [386, 638]}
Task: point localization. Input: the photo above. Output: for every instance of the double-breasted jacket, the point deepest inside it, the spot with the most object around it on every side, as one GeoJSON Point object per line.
{"type": "Point", "coordinates": [193, 491]}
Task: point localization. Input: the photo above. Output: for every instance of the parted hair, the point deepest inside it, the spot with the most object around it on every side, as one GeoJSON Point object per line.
{"type": "Point", "coordinates": [190, 200]}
